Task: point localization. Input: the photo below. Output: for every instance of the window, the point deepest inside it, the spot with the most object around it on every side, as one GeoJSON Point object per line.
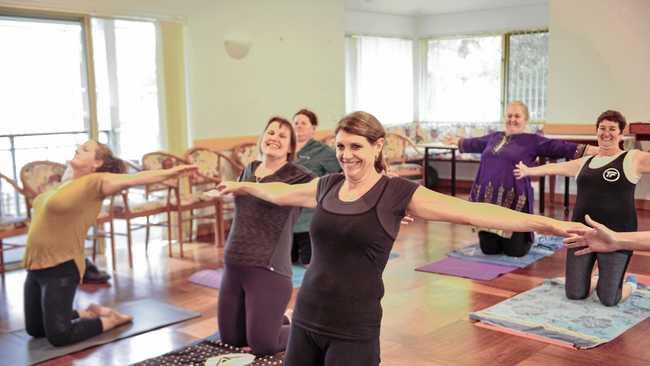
{"type": "Point", "coordinates": [127, 85]}
{"type": "Point", "coordinates": [44, 96]}
{"type": "Point", "coordinates": [528, 71]}
{"type": "Point", "coordinates": [379, 78]}
{"type": "Point", "coordinates": [462, 80]}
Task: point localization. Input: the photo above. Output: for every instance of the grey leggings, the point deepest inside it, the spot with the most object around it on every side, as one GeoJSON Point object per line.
{"type": "Point", "coordinates": [611, 271]}
{"type": "Point", "coordinates": [252, 302]}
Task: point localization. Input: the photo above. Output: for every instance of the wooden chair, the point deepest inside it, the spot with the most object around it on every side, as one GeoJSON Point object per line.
{"type": "Point", "coordinates": [214, 166]}
{"type": "Point", "coordinates": [245, 153]}
{"type": "Point", "coordinates": [147, 200]}
{"type": "Point", "coordinates": [329, 140]}
{"type": "Point", "coordinates": [402, 156]}
{"type": "Point", "coordinates": [10, 225]}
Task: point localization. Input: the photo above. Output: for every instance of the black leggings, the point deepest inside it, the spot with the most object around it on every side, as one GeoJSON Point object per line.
{"type": "Point", "coordinates": [309, 348]}
{"type": "Point", "coordinates": [517, 246]}
{"type": "Point", "coordinates": [49, 294]}
{"type": "Point", "coordinates": [611, 272]}
{"type": "Point", "coordinates": [301, 248]}
{"type": "Point", "coordinates": [252, 302]}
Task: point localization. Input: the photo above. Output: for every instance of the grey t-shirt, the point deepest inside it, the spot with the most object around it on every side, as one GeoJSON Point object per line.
{"type": "Point", "coordinates": [261, 231]}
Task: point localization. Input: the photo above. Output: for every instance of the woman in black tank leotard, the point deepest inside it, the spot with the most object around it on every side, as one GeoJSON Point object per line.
{"type": "Point", "coordinates": [606, 184]}
{"type": "Point", "coordinates": [338, 310]}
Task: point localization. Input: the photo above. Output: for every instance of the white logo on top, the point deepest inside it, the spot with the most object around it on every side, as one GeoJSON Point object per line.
{"type": "Point", "coordinates": [611, 175]}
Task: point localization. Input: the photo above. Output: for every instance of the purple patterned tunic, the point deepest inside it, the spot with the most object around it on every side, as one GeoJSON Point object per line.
{"type": "Point", "coordinates": [495, 181]}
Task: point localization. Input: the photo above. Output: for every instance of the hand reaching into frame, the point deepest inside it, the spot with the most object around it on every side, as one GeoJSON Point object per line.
{"type": "Point", "coordinates": [597, 239]}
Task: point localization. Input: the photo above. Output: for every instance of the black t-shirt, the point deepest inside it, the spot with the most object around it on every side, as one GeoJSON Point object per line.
{"type": "Point", "coordinates": [351, 241]}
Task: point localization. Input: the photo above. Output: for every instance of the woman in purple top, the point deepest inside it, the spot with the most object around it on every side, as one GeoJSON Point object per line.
{"type": "Point", "coordinates": [338, 309]}
{"type": "Point", "coordinates": [495, 183]}
{"type": "Point", "coordinates": [256, 285]}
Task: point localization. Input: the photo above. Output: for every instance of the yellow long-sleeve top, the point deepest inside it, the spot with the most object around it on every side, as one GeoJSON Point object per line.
{"type": "Point", "coordinates": [61, 218]}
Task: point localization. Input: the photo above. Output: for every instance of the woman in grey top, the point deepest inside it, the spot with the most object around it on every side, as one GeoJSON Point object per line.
{"type": "Point", "coordinates": [256, 285]}
{"type": "Point", "coordinates": [321, 160]}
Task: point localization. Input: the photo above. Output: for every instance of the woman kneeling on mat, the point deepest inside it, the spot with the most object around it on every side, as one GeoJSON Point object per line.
{"type": "Point", "coordinates": [338, 311]}
{"type": "Point", "coordinates": [606, 184]}
{"type": "Point", "coordinates": [54, 257]}
{"type": "Point", "coordinates": [494, 183]}
{"type": "Point", "coordinates": [256, 286]}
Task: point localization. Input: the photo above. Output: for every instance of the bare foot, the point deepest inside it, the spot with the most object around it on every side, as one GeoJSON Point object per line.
{"type": "Point", "coordinates": [114, 319]}
{"type": "Point", "coordinates": [247, 349]}
{"type": "Point", "coordinates": [98, 310]}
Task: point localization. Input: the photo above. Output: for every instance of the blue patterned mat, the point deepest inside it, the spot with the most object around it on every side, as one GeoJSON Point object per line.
{"type": "Point", "coordinates": [545, 312]}
{"type": "Point", "coordinates": [544, 246]}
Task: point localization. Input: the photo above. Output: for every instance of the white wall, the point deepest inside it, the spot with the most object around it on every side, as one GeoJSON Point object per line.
{"type": "Point", "coordinates": [599, 59]}
{"type": "Point", "coordinates": [296, 60]}
{"type": "Point", "coordinates": [486, 21]}
{"type": "Point", "coordinates": [375, 24]}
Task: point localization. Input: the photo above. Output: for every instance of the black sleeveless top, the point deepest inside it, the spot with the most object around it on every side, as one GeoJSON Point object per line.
{"type": "Point", "coordinates": [606, 195]}
{"type": "Point", "coordinates": [342, 289]}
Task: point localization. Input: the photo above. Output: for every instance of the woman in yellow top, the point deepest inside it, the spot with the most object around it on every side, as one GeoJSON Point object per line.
{"type": "Point", "coordinates": [54, 258]}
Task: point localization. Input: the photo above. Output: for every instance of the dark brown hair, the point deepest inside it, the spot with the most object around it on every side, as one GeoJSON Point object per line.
{"type": "Point", "coordinates": [309, 114]}
{"type": "Point", "coordinates": [292, 136]}
{"type": "Point", "coordinates": [612, 116]}
{"type": "Point", "coordinates": [110, 164]}
{"type": "Point", "coordinates": [366, 125]}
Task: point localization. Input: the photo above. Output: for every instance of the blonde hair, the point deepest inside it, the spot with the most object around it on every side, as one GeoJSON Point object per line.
{"type": "Point", "coordinates": [521, 105]}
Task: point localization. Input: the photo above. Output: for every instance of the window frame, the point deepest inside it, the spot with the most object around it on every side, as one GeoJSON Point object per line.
{"type": "Point", "coordinates": [505, 59]}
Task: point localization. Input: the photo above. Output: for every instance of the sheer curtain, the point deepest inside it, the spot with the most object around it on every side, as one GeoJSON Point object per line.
{"type": "Point", "coordinates": [126, 72]}
{"type": "Point", "coordinates": [528, 71]}
{"type": "Point", "coordinates": [461, 80]}
{"type": "Point", "coordinates": [379, 77]}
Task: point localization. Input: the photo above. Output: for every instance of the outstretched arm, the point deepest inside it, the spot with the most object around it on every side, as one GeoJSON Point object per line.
{"type": "Point", "coordinates": [282, 194]}
{"type": "Point", "coordinates": [434, 206]}
{"type": "Point", "coordinates": [601, 239]}
{"type": "Point", "coordinates": [568, 168]}
{"type": "Point", "coordinates": [113, 183]}
{"type": "Point", "coordinates": [642, 162]}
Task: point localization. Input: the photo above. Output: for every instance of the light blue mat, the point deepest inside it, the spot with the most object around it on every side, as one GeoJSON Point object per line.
{"type": "Point", "coordinates": [545, 312]}
{"type": "Point", "coordinates": [543, 247]}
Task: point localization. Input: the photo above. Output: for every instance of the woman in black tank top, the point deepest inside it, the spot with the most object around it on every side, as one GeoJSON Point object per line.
{"type": "Point", "coordinates": [338, 310]}
{"type": "Point", "coordinates": [606, 184]}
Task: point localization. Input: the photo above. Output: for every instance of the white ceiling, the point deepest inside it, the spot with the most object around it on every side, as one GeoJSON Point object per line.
{"type": "Point", "coordinates": [432, 7]}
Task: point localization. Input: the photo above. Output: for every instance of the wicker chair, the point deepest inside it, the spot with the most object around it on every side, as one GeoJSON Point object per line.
{"type": "Point", "coordinates": [214, 166]}
{"type": "Point", "coordinates": [402, 156]}
{"type": "Point", "coordinates": [11, 226]}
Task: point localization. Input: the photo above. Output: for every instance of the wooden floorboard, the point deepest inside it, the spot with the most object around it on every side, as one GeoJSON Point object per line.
{"type": "Point", "coordinates": [425, 315]}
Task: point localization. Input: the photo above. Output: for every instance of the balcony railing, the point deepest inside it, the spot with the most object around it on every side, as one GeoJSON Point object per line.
{"type": "Point", "coordinates": [16, 150]}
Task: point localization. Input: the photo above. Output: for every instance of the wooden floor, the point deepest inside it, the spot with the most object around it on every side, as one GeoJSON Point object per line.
{"type": "Point", "coordinates": [425, 315]}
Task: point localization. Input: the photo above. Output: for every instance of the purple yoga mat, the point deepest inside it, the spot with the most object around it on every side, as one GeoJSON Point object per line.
{"type": "Point", "coordinates": [208, 277]}
{"type": "Point", "coordinates": [468, 269]}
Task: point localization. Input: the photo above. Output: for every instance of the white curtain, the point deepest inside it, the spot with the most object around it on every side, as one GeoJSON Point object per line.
{"type": "Point", "coordinates": [379, 78]}
{"type": "Point", "coordinates": [127, 78]}
{"type": "Point", "coordinates": [461, 80]}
